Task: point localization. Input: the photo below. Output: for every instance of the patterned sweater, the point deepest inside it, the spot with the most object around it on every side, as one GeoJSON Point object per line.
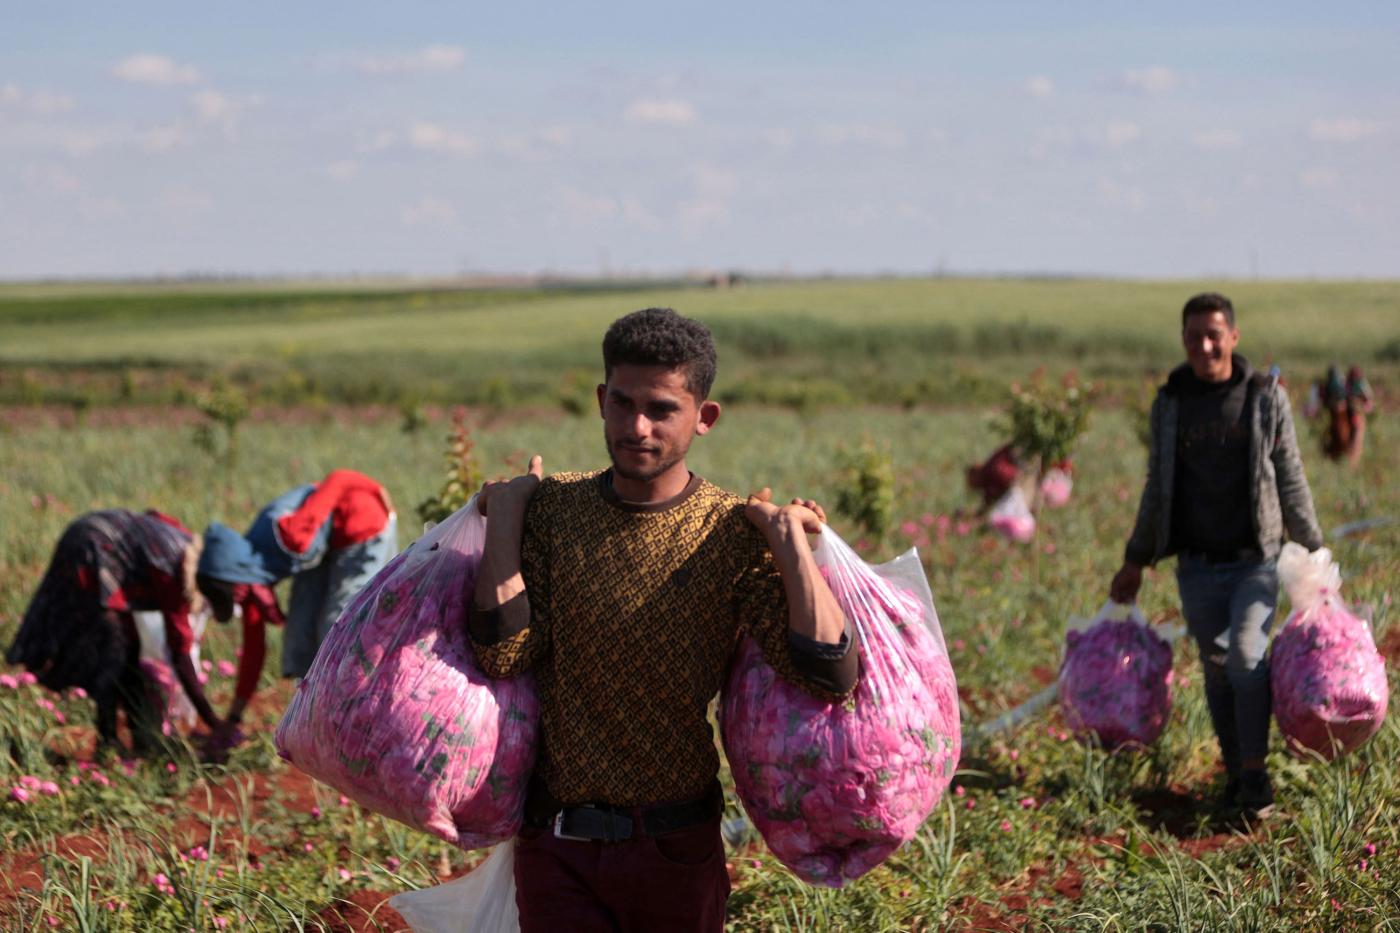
{"type": "Point", "coordinates": [629, 617]}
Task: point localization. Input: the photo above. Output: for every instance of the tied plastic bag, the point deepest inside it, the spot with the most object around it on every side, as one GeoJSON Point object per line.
{"type": "Point", "coordinates": [396, 714]}
{"type": "Point", "coordinates": [1329, 687]}
{"type": "Point", "coordinates": [176, 709]}
{"type": "Point", "coordinates": [1012, 517]}
{"type": "Point", "coordinates": [481, 901]}
{"type": "Point", "coordinates": [1116, 678]}
{"type": "Point", "coordinates": [836, 788]}
{"type": "Point", "coordinates": [1055, 487]}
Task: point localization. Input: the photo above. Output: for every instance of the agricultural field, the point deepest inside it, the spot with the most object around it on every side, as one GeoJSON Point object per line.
{"type": "Point", "coordinates": [113, 398]}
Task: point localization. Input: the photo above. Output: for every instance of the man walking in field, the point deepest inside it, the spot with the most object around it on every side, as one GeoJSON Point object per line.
{"type": "Point", "coordinates": [624, 591]}
{"type": "Point", "coordinates": [1224, 482]}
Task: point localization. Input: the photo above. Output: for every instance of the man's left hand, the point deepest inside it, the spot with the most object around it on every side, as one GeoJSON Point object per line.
{"type": "Point", "coordinates": [774, 520]}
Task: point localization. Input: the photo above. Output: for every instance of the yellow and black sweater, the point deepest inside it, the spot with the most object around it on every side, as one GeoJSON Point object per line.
{"type": "Point", "coordinates": [629, 616]}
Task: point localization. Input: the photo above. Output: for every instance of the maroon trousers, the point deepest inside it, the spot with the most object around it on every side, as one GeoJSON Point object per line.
{"type": "Point", "coordinates": [676, 882]}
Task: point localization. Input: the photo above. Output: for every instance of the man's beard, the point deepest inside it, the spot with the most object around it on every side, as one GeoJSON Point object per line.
{"type": "Point", "coordinates": [646, 476]}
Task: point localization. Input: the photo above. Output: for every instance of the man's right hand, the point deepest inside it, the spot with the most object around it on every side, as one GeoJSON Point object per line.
{"type": "Point", "coordinates": [512, 495]}
{"type": "Point", "coordinates": [1126, 583]}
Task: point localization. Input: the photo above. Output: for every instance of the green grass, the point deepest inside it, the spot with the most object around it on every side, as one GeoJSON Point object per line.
{"type": "Point", "coordinates": [1105, 842]}
{"type": "Point", "coordinates": [800, 344]}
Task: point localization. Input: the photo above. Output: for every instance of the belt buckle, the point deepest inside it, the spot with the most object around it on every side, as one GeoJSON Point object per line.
{"type": "Point", "coordinates": [559, 830]}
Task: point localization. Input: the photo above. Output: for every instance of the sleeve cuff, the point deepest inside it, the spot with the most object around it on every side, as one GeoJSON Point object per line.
{"type": "Point", "coordinates": [833, 668]}
{"type": "Point", "coordinates": [487, 627]}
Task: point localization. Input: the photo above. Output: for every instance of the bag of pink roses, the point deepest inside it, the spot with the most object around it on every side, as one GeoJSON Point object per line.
{"type": "Point", "coordinates": [835, 789]}
{"type": "Point", "coordinates": [1328, 680]}
{"type": "Point", "coordinates": [1116, 678]}
{"type": "Point", "coordinates": [1012, 516]}
{"type": "Point", "coordinates": [394, 711]}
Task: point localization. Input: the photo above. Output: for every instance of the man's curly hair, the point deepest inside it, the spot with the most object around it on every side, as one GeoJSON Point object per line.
{"type": "Point", "coordinates": [661, 337]}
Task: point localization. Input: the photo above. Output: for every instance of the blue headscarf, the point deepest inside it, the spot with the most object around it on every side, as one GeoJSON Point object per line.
{"type": "Point", "coordinates": [230, 557]}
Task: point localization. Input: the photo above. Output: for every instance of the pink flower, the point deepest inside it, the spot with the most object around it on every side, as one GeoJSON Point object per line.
{"type": "Point", "coordinates": [1027, 803]}
{"type": "Point", "coordinates": [170, 767]}
{"type": "Point", "coordinates": [1369, 848]}
{"type": "Point", "coordinates": [226, 669]}
{"type": "Point", "coordinates": [1013, 754]}
{"type": "Point", "coordinates": [8, 682]}
{"type": "Point", "coordinates": [344, 875]}
{"type": "Point", "coordinates": [344, 800]}
{"type": "Point", "coordinates": [909, 529]}
{"type": "Point", "coordinates": [962, 528]}
{"type": "Point", "coordinates": [959, 791]}
{"type": "Point", "coordinates": [199, 854]}
{"type": "Point", "coordinates": [58, 715]}
{"type": "Point", "coordinates": [160, 880]}
{"type": "Point", "coordinates": [315, 813]}
{"type": "Point", "coordinates": [308, 847]}
{"type": "Point", "coordinates": [220, 922]}
{"type": "Point", "coordinates": [29, 781]}
{"type": "Point", "coordinates": [392, 863]}
{"type": "Point", "coordinates": [1050, 548]}
{"type": "Point", "coordinates": [927, 519]}
{"type": "Point", "coordinates": [102, 779]}
{"type": "Point", "coordinates": [972, 803]}
{"type": "Point", "coordinates": [79, 693]}
{"type": "Point", "coordinates": [755, 863]}
{"type": "Point", "coordinates": [27, 679]}
{"type": "Point", "coordinates": [207, 665]}
{"type": "Point", "coordinates": [1361, 865]}
{"type": "Point", "coordinates": [74, 780]}
{"type": "Point", "coordinates": [49, 788]}
{"type": "Point", "coordinates": [1006, 826]}
{"type": "Point", "coordinates": [19, 794]}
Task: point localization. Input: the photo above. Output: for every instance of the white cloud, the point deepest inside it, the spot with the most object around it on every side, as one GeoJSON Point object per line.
{"type": "Point", "coordinates": [670, 112]}
{"type": "Point", "coordinates": [1319, 176]}
{"type": "Point", "coordinates": [343, 170]}
{"type": "Point", "coordinates": [1040, 86]}
{"type": "Point", "coordinates": [537, 145]}
{"type": "Point", "coordinates": [146, 68]}
{"type": "Point", "coordinates": [1126, 197]}
{"type": "Point", "coordinates": [185, 200]}
{"type": "Point", "coordinates": [52, 179]}
{"type": "Point", "coordinates": [583, 208]}
{"type": "Point", "coordinates": [212, 107]}
{"type": "Point", "coordinates": [384, 139]}
{"type": "Point", "coordinates": [778, 138]}
{"type": "Point", "coordinates": [1121, 133]}
{"type": "Point", "coordinates": [430, 137]}
{"type": "Point", "coordinates": [885, 137]}
{"type": "Point", "coordinates": [714, 190]}
{"type": "Point", "coordinates": [38, 102]}
{"type": "Point", "coordinates": [1158, 79]}
{"type": "Point", "coordinates": [430, 59]}
{"type": "Point", "coordinates": [1217, 140]}
{"type": "Point", "coordinates": [162, 139]}
{"type": "Point", "coordinates": [1343, 130]}
{"type": "Point", "coordinates": [428, 211]}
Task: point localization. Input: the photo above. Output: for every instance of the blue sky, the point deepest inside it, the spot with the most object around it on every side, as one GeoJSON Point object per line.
{"type": "Point", "coordinates": [1097, 138]}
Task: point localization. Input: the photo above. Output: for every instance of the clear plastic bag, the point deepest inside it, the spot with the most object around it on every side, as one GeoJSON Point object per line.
{"type": "Point", "coordinates": [395, 712]}
{"type": "Point", "coordinates": [1330, 693]}
{"type": "Point", "coordinates": [1012, 517]}
{"type": "Point", "coordinates": [481, 901]}
{"type": "Point", "coordinates": [176, 709]}
{"type": "Point", "coordinates": [835, 789]}
{"type": "Point", "coordinates": [1116, 678]}
{"type": "Point", "coordinates": [1055, 487]}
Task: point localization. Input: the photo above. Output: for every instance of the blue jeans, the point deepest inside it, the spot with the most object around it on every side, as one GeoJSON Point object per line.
{"type": "Point", "coordinates": [1229, 608]}
{"type": "Point", "coordinates": [320, 593]}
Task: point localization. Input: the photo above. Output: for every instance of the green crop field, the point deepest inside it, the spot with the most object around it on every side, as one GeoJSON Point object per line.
{"type": "Point", "coordinates": [797, 344]}
{"type": "Point", "coordinates": [1041, 832]}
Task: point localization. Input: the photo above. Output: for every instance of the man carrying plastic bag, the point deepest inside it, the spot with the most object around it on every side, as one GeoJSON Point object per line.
{"type": "Point", "coordinates": [625, 592]}
{"type": "Point", "coordinates": [1224, 481]}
